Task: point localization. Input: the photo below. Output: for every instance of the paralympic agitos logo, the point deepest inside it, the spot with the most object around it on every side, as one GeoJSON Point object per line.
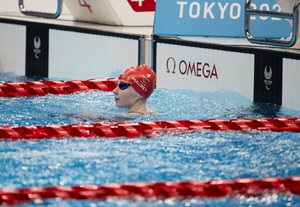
{"type": "Point", "coordinates": [192, 68]}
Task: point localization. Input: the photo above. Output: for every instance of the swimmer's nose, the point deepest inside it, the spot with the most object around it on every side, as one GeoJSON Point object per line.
{"type": "Point", "coordinates": [115, 91]}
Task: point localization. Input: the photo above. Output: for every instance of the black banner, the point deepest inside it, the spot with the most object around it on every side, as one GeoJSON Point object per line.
{"type": "Point", "coordinates": [37, 48]}
{"type": "Point", "coordinates": [268, 79]}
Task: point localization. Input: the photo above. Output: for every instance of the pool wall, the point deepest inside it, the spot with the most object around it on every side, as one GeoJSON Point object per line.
{"type": "Point", "coordinates": [34, 48]}
{"type": "Point", "coordinates": [72, 50]}
{"type": "Point", "coordinates": [262, 74]}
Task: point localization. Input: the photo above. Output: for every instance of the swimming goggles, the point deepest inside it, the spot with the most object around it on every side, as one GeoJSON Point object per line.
{"type": "Point", "coordinates": [123, 85]}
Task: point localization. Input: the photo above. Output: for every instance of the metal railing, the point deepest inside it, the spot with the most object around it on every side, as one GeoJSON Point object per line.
{"type": "Point", "coordinates": [293, 17]}
{"type": "Point", "coordinates": [41, 14]}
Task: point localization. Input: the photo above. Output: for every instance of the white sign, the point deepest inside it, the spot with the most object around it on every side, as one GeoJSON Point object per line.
{"type": "Point", "coordinates": [12, 48]}
{"type": "Point", "coordinates": [183, 67]}
{"type": "Point", "coordinates": [290, 84]}
{"type": "Point", "coordinates": [82, 56]}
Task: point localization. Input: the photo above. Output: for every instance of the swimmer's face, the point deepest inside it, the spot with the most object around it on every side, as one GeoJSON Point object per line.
{"type": "Point", "coordinates": [125, 95]}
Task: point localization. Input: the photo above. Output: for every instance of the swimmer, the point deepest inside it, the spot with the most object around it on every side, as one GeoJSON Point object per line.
{"type": "Point", "coordinates": [133, 88]}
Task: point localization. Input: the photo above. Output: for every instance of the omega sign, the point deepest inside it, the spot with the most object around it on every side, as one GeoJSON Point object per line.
{"type": "Point", "coordinates": [188, 68]}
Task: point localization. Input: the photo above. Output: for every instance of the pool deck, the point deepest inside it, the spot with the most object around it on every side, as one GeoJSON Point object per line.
{"type": "Point", "coordinates": [66, 20]}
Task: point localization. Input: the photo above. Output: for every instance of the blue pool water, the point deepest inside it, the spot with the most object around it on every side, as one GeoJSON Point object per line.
{"type": "Point", "coordinates": [169, 157]}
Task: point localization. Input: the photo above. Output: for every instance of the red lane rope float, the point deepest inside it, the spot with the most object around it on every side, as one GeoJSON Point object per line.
{"type": "Point", "coordinates": [133, 130]}
{"type": "Point", "coordinates": [157, 190]}
{"type": "Point", "coordinates": [42, 88]}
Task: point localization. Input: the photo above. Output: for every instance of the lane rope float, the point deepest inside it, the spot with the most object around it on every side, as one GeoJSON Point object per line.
{"type": "Point", "coordinates": [248, 187]}
{"type": "Point", "coordinates": [43, 88]}
{"type": "Point", "coordinates": [148, 128]}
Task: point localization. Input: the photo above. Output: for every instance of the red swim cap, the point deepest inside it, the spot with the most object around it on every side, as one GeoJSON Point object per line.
{"type": "Point", "coordinates": [142, 78]}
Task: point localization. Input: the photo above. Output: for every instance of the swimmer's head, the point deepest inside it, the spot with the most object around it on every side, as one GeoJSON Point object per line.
{"type": "Point", "coordinates": [142, 79]}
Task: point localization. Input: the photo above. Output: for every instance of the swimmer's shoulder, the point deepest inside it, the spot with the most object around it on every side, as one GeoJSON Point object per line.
{"type": "Point", "coordinates": [134, 115]}
{"type": "Point", "coordinates": [128, 115]}
{"type": "Point", "coordinates": [150, 111]}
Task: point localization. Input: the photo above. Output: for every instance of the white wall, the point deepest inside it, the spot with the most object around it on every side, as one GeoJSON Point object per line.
{"type": "Point", "coordinates": [83, 56]}
{"type": "Point", "coordinates": [290, 83]}
{"type": "Point", "coordinates": [12, 48]}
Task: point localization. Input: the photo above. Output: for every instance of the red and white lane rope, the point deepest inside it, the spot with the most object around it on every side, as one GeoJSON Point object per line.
{"type": "Point", "coordinates": [146, 128]}
{"type": "Point", "coordinates": [42, 88]}
{"type": "Point", "coordinates": [156, 190]}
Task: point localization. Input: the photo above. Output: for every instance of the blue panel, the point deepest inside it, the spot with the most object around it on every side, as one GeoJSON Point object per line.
{"type": "Point", "coordinates": [216, 18]}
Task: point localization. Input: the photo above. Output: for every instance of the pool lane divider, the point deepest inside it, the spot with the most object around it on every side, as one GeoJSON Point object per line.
{"type": "Point", "coordinates": [43, 88]}
{"type": "Point", "coordinates": [149, 191]}
{"type": "Point", "coordinates": [148, 128]}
